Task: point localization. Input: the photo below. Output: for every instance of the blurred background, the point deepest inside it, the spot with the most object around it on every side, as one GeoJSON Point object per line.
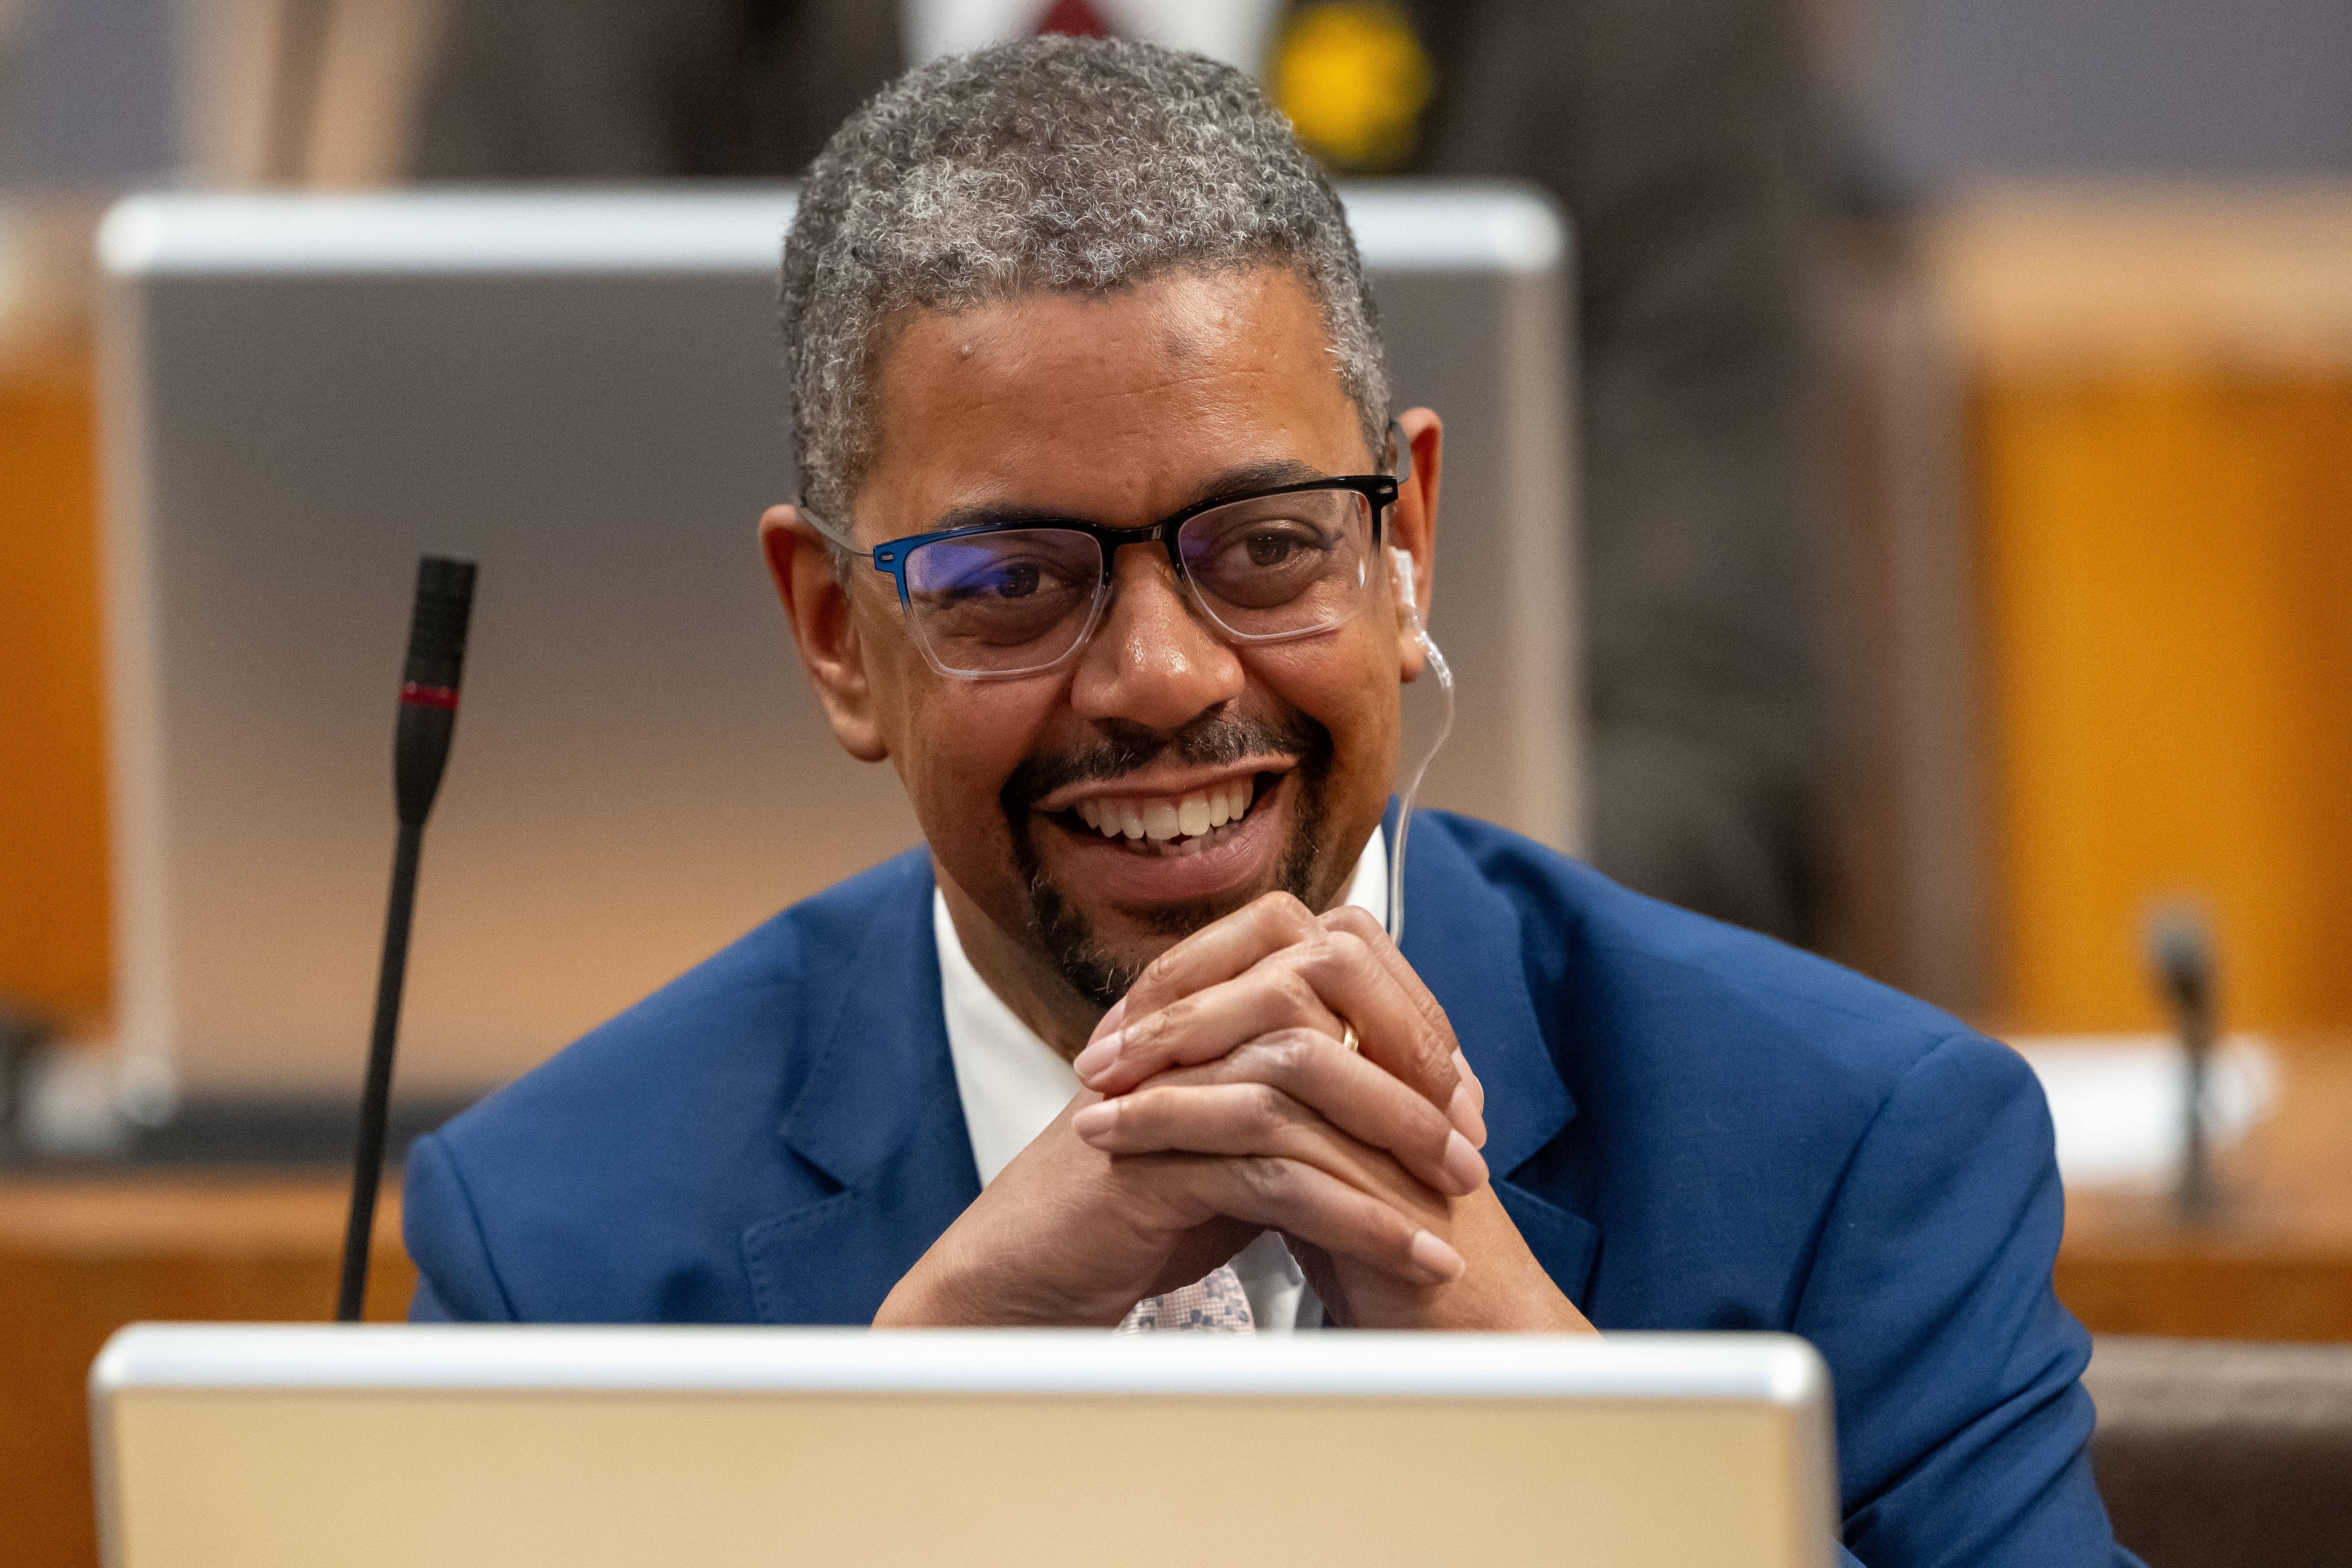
{"type": "Point", "coordinates": [1963, 580]}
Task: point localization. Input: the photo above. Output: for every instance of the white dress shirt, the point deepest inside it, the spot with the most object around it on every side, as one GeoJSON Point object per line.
{"type": "Point", "coordinates": [1012, 1084]}
{"type": "Point", "coordinates": [1233, 31]}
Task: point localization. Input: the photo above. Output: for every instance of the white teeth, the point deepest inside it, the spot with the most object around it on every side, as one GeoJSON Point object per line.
{"type": "Point", "coordinates": [1192, 814]}
{"type": "Point", "coordinates": [1177, 825]}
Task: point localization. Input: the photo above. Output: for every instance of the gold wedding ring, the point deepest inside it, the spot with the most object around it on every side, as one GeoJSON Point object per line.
{"type": "Point", "coordinates": [1348, 1040]}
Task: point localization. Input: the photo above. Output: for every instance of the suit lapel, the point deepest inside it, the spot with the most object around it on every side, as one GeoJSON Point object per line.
{"type": "Point", "coordinates": [1466, 941]}
{"type": "Point", "coordinates": [878, 1116]}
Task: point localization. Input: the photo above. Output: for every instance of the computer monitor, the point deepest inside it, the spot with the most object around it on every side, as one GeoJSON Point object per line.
{"type": "Point", "coordinates": [582, 391]}
{"type": "Point", "coordinates": [253, 1447]}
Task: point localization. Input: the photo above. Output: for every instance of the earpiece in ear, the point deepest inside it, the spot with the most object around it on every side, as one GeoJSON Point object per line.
{"type": "Point", "coordinates": [1401, 565]}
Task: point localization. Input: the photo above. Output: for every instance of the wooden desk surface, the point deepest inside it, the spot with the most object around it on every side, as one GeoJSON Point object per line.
{"type": "Point", "coordinates": [2272, 1262]}
{"type": "Point", "coordinates": [80, 1258]}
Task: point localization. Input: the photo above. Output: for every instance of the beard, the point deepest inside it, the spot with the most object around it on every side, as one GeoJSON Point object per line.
{"type": "Point", "coordinates": [1062, 931]}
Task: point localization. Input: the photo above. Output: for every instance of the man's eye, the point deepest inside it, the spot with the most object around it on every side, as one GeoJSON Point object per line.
{"type": "Point", "coordinates": [1014, 580]}
{"type": "Point", "coordinates": [1269, 549]}
{"type": "Point", "coordinates": [999, 580]}
{"type": "Point", "coordinates": [1273, 542]}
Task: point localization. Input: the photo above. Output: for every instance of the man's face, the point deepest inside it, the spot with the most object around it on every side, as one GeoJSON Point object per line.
{"type": "Point", "coordinates": [1122, 410]}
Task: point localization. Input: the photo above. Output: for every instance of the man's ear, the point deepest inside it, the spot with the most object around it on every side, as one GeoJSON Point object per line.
{"type": "Point", "coordinates": [1413, 527]}
{"type": "Point", "coordinates": [824, 629]}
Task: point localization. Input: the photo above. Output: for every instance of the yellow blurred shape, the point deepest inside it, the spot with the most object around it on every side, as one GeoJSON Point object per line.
{"type": "Point", "coordinates": [1353, 79]}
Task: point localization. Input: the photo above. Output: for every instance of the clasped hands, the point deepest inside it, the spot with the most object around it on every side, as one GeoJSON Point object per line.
{"type": "Point", "coordinates": [1220, 1102]}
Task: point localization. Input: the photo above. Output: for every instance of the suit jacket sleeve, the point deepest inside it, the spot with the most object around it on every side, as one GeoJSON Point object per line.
{"type": "Point", "coordinates": [1930, 1292]}
{"type": "Point", "coordinates": [456, 1281]}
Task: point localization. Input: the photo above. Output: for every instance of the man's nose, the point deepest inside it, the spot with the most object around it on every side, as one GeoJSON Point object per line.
{"type": "Point", "coordinates": [1151, 661]}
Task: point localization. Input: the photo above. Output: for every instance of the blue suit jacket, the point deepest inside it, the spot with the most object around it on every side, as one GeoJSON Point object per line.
{"type": "Point", "coordinates": [1693, 1128]}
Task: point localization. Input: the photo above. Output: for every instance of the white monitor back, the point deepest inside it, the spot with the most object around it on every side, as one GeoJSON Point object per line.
{"type": "Point", "coordinates": [582, 392]}
{"type": "Point", "coordinates": [253, 1447]}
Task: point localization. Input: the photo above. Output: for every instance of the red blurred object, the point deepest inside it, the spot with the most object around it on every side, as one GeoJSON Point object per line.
{"type": "Point", "coordinates": [1078, 19]}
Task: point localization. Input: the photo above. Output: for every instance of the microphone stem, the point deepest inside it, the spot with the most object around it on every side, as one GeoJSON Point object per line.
{"type": "Point", "coordinates": [2196, 1194]}
{"type": "Point", "coordinates": [375, 1101]}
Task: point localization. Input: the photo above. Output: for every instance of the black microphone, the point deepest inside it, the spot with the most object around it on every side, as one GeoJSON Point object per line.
{"type": "Point", "coordinates": [420, 750]}
{"type": "Point", "coordinates": [2181, 953]}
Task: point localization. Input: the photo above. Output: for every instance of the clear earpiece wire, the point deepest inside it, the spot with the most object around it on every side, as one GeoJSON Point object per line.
{"type": "Point", "coordinates": [1401, 566]}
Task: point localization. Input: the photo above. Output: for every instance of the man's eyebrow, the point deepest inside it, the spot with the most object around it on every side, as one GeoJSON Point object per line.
{"type": "Point", "coordinates": [1246, 478]}
{"type": "Point", "coordinates": [1272, 474]}
{"type": "Point", "coordinates": [1001, 514]}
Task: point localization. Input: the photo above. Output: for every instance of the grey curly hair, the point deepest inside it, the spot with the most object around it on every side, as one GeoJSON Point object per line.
{"type": "Point", "coordinates": [1056, 165]}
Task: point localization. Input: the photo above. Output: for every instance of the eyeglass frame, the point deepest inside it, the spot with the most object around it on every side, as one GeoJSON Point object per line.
{"type": "Point", "coordinates": [1380, 493]}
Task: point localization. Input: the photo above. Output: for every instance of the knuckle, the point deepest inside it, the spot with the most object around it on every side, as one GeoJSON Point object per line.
{"type": "Point", "coordinates": [1434, 1015]}
{"type": "Point", "coordinates": [1269, 1110]}
{"type": "Point", "coordinates": [1270, 1178]}
{"type": "Point", "coordinates": [1317, 952]}
{"type": "Point", "coordinates": [1299, 993]}
{"type": "Point", "coordinates": [1332, 953]}
{"type": "Point", "coordinates": [1355, 921]}
{"type": "Point", "coordinates": [1151, 1032]}
{"type": "Point", "coordinates": [1138, 1037]}
{"type": "Point", "coordinates": [1285, 911]}
{"type": "Point", "coordinates": [1433, 1069]}
{"type": "Point", "coordinates": [1158, 974]}
{"type": "Point", "coordinates": [1289, 1053]}
{"type": "Point", "coordinates": [1252, 1176]}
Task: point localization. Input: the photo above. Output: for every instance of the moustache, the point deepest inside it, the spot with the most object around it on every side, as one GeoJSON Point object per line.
{"type": "Point", "coordinates": [1124, 748]}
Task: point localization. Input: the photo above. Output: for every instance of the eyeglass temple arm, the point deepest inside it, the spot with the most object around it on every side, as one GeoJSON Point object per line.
{"type": "Point", "coordinates": [834, 536]}
{"type": "Point", "coordinates": [1399, 453]}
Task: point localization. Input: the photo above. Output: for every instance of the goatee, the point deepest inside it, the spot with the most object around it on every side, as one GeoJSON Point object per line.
{"type": "Point", "coordinates": [1066, 935]}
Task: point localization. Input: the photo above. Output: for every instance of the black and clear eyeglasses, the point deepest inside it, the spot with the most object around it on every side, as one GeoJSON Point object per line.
{"type": "Point", "coordinates": [999, 600]}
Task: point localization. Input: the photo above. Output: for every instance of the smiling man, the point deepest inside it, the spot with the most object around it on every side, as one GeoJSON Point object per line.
{"type": "Point", "coordinates": [1109, 545]}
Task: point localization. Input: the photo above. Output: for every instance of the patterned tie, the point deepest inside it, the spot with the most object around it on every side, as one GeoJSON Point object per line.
{"type": "Point", "coordinates": [1214, 1306]}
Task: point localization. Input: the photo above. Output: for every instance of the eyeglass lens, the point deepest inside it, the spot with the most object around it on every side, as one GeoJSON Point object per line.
{"type": "Point", "coordinates": [1020, 599]}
